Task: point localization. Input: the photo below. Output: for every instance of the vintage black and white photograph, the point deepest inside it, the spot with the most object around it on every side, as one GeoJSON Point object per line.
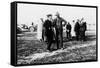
{"type": "Point", "coordinates": [49, 34]}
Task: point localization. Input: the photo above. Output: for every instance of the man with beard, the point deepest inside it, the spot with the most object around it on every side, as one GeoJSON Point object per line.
{"type": "Point", "coordinates": [48, 31]}
{"type": "Point", "coordinates": [59, 30]}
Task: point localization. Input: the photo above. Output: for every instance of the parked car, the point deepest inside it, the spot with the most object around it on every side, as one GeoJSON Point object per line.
{"type": "Point", "coordinates": [20, 29]}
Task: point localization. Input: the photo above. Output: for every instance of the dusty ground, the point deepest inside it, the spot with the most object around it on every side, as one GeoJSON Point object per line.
{"type": "Point", "coordinates": [32, 51]}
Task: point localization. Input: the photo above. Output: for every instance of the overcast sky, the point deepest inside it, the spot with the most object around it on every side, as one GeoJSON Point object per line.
{"type": "Point", "coordinates": [28, 13]}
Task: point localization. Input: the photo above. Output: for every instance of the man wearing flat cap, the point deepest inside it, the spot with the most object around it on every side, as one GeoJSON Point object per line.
{"type": "Point", "coordinates": [59, 30]}
{"type": "Point", "coordinates": [48, 31]}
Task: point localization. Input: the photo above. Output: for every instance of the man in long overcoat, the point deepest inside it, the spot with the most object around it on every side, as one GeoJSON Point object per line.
{"type": "Point", "coordinates": [48, 31]}
{"type": "Point", "coordinates": [83, 28]}
{"type": "Point", "coordinates": [59, 30]}
{"type": "Point", "coordinates": [77, 29]}
{"type": "Point", "coordinates": [68, 30]}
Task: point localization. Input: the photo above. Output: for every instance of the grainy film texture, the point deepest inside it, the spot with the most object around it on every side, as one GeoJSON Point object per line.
{"type": "Point", "coordinates": [53, 34]}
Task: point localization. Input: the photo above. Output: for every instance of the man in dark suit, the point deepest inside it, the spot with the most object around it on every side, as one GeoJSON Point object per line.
{"type": "Point", "coordinates": [48, 31]}
{"type": "Point", "coordinates": [77, 30]}
{"type": "Point", "coordinates": [83, 28]}
{"type": "Point", "coordinates": [59, 30]}
{"type": "Point", "coordinates": [68, 30]}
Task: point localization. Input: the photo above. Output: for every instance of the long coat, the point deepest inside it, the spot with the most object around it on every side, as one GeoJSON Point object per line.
{"type": "Point", "coordinates": [48, 29]}
{"type": "Point", "coordinates": [77, 27]}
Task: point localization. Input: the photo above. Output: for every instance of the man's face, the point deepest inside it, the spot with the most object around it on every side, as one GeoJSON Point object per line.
{"type": "Point", "coordinates": [50, 17]}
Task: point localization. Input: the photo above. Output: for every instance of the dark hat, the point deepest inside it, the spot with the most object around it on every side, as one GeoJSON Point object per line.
{"type": "Point", "coordinates": [49, 15]}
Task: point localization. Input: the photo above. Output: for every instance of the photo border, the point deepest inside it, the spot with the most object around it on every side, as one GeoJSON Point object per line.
{"type": "Point", "coordinates": [14, 30]}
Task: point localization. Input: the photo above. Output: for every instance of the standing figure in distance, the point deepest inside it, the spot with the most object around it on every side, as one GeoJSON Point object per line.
{"type": "Point", "coordinates": [77, 29]}
{"type": "Point", "coordinates": [83, 28]}
{"type": "Point", "coordinates": [68, 30]}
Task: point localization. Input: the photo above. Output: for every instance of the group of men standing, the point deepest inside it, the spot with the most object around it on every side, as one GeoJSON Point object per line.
{"type": "Point", "coordinates": [80, 28]}
{"type": "Point", "coordinates": [53, 30]}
